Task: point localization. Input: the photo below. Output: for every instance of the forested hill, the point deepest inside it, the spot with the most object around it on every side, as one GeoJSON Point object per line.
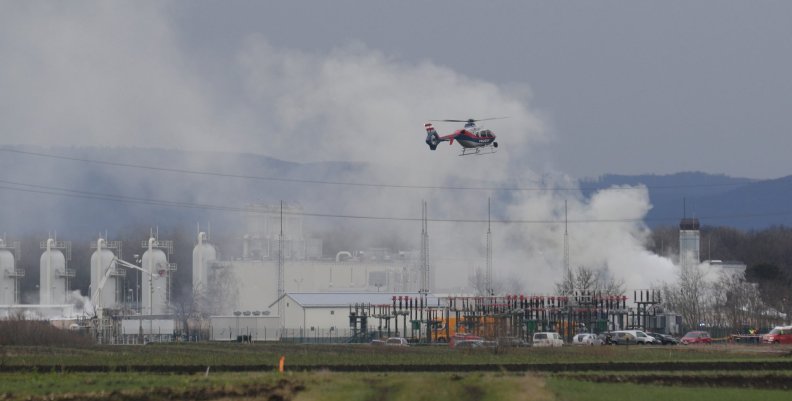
{"type": "Point", "coordinates": [69, 193]}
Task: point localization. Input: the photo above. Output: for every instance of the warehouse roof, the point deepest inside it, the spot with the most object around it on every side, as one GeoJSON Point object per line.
{"type": "Point", "coordinates": [321, 299]}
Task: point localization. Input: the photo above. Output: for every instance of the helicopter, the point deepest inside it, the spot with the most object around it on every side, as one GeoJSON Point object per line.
{"type": "Point", "coordinates": [473, 139]}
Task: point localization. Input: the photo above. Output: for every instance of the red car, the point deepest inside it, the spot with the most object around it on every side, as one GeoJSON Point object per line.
{"type": "Point", "coordinates": [779, 335]}
{"type": "Point", "coordinates": [696, 337]}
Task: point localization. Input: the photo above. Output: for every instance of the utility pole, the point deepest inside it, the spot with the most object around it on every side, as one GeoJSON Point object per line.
{"type": "Point", "coordinates": [566, 246]}
{"type": "Point", "coordinates": [490, 289]}
{"type": "Point", "coordinates": [280, 272]}
{"type": "Point", "coordinates": [425, 281]}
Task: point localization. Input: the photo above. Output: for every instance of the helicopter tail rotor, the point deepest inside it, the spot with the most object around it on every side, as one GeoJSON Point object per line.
{"type": "Point", "coordinates": [432, 138]}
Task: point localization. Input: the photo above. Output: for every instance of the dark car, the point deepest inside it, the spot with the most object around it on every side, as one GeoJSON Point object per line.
{"type": "Point", "coordinates": [469, 344]}
{"type": "Point", "coordinates": [696, 337]}
{"type": "Point", "coordinates": [605, 338]}
{"type": "Point", "coordinates": [664, 339]}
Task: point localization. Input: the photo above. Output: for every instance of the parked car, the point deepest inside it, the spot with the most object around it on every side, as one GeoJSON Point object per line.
{"type": "Point", "coordinates": [637, 337]}
{"type": "Point", "coordinates": [623, 338]}
{"type": "Point", "coordinates": [459, 337]}
{"type": "Point", "coordinates": [397, 341]}
{"type": "Point", "coordinates": [512, 342]}
{"type": "Point", "coordinates": [469, 344]}
{"type": "Point", "coordinates": [696, 337]}
{"type": "Point", "coordinates": [664, 339]}
{"type": "Point", "coordinates": [547, 339]}
{"type": "Point", "coordinates": [586, 339]}
{"type": "Point", "coordinates": [779, 335]}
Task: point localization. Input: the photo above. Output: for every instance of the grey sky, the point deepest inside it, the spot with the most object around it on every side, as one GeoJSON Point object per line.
{"type": "Point", "coordinates": [619, 87]}
{"type": "Point", "coordinates": [626, 86]}
{"type": "Point", "coordinates": [590, 89]}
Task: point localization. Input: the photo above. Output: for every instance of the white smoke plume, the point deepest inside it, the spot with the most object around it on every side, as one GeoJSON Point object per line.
{"type": "Point", "coordinates": [82, 305]}
{"type": "Point", "coordinates": [117, 74]}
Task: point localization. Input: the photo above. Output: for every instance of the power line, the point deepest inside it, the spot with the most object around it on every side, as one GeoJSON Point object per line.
{"type": "Point", "coordinates": [354, 184]}
{"type": "Point", "coordinates": [65, 192]}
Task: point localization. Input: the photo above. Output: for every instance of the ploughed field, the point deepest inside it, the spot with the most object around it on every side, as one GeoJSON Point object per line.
{"type": "Point", "coordinates": [363, 372]}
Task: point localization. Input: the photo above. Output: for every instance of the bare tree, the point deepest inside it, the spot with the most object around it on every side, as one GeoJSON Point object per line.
{"type": "Point", "coordinates": [587, 279]}
{"type": "Point", "coordinates": [688, 296]}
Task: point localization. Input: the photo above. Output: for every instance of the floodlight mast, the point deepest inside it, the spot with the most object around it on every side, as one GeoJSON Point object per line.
{"type": "Point", "coordinates": [98, 292]}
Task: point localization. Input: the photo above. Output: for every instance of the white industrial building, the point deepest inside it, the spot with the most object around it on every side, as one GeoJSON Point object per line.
{"type": "Point", "coordinates": [251, 283]}
{"type": "Point", "coordinates": [309, 311]}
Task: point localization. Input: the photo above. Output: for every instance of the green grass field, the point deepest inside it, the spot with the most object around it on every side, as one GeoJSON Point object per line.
{"type": "Point", "coordinates": [306, 355]}
{"type": "Point", "coordinates": [350, 387]}
{"type": "Point", "coordinates": [20, 382]}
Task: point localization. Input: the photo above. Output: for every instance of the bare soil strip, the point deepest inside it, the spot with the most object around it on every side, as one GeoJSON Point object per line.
{"type": "Point", "coordinates": [768, 381]}
{"type": "Point", "coordinates": [283, 390]}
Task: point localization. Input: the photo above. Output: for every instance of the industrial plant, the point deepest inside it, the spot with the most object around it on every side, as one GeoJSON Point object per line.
{"type": "Point", "coordinates": [282, 288]}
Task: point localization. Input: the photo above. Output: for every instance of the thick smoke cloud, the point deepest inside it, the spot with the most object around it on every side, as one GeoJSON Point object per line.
{"type": "Point", "coordinates": [116, 74]}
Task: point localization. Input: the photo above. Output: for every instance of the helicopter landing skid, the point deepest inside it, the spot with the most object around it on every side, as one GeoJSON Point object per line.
{"type": "Point", "coordinates": [485, 150]}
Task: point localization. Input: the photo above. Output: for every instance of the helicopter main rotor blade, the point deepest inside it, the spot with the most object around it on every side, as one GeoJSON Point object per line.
{"type": "Point", "coordinates": [491, 118]}
{"type": "Point", "coordinates": [470, 120]}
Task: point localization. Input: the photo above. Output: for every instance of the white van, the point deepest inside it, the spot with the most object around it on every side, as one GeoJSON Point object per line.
{"type": "Point", "coordinates": [547, 339]}
{"type": "Point", "coordinates": [638, 336]}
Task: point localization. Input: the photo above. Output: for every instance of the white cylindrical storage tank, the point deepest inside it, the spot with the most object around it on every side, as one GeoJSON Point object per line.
{"type": "Point", "coordinates": [203, 254]}
{"type": "Point", "coordinates": [7, 278]}
{"type": "Point", "coordinates": [52, 284]}
{"type": "Point", "coordinates": [103, 263]}
{"type": "Point", "coordinates": [154, 287]}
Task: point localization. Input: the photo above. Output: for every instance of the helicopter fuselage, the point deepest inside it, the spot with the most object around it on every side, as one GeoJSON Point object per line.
{"type": "Point", "coordinates": [474, 139]}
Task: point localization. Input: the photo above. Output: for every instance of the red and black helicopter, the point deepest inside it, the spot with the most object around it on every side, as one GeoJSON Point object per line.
{"type": "Point", "coordinates": [473, 139]}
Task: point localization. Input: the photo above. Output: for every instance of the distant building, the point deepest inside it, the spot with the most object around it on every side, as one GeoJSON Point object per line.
{"type": "Point", "coordinates": [730, 267]}
{"type": "Point", "coordinates": [252, 284]}
{"type": "Point", "coordinates": [689, 242]}
{"type": "Point", "coordinates": [309, 312]}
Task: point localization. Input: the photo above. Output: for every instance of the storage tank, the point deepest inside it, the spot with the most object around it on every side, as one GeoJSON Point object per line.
{"type": "Point", "coordinates": [9, 287]}
{"type": "Point", "coordinates": [204, 254]}
{"type": "Point", "coordinates": [155, 290]}
{"type": "Point", "coordinates": [103, 263]}
{"type": "Point", "coordinates": [54, 282]}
